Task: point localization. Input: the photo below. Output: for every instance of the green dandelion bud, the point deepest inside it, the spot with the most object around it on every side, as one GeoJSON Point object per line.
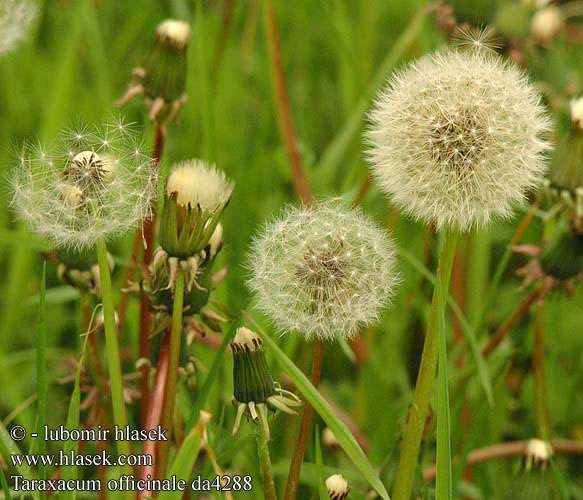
{"type": "Point", "coordinates": [165, 68]}
{"type": "Point", "coordinates": [563, 259]}
{"type": "Point", "coordinates": [254, 389]}
{"type": "Point", "coordinates": [80, 270]}
{"type": "Point", "coordinates": [196, 195]}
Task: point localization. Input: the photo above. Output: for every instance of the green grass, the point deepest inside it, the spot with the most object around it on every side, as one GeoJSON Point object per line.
{"type": "Point", "coordinates": [335, 54]}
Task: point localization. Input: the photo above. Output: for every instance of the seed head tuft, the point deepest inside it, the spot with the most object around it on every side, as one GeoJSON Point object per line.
{"type": "Point", "coordinates": [16, 17]}
{"type": "Point", "coordinates": [323, 270]}
{"type": "Point", "coordinates": [173, 32]}
{"type": "Point", "coordinates": [455, 138]}
{"type": "Point", "coordinates": [91, 184]}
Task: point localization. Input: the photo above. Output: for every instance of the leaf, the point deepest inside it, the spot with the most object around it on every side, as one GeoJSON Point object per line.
{"type": "Point", "coordinates": [5, 487]}
{"type": "Point", "coordinates": [343, 435]}
{"type": "Point", "coordinates": [320, 467]}
{"type": "Point", "coordinates": [186, 458]}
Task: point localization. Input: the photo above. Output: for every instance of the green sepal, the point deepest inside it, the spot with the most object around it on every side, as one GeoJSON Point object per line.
{"type": "Point", "coordinates": [252, 379]}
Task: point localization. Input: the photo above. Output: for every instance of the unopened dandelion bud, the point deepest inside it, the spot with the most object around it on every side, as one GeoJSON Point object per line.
{"type": "Point", "coordinates": [79, 269]}
{"type": "Point", "coordinates": [563, 258]}
{"type": "Point", "coordinates": [329, 439]}
{"type": "Point", "coordinates": [165, 68]}
{"type": "Point", "coordinates": [546, 24]}
{"type": "Point", "coordinates": [196, 195]}
{"type": "Point", "coordinates": [458, 137]}
{"type": "Point", "coordinates": [537, 454]}
{"type": "Point", "coordinates": [254, 389]}
{"type": "Point", "coordinates": [337, 487]}
{"type": "Point", "coordinates": [322, 271]}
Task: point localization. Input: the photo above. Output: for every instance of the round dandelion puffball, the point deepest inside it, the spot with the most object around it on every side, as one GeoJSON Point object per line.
{"type": "Point", "coordinates": [456, 138]}
{"type": "Point", "coordinates": [323, 271]}
{"type": "Point", "coordinates": [16, 17]}
{"type": "Point", "coordinates": [92, 184]}
{"type": "Point", "coordinates": [197, 183]}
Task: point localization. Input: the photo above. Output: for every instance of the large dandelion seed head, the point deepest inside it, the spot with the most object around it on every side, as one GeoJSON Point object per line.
{"type": "Point", "coordinates": [16, 17]}
{"type": "Point", "coordinates": [91, 184]}
{"type": "Point", "coordinates": [456, 138]}
{"type": "Point", "coordinates": [323, 271]}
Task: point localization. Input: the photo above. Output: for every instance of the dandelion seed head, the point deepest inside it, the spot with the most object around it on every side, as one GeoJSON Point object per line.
{"type": "Point", "coordinates": [576, 106]}
{"type": "Point", "coordinates": [323, 271]}
{"type": "Point", "coordinates": [83, 188]}
{"type": "Point", "coordinates": [16, 17]}
{"type": "Point", "coordinates": [337, 487]}
{"type": "Point", "coordinates": [457, 138]}
{"type": "Point", "coordinates": [197, 183]}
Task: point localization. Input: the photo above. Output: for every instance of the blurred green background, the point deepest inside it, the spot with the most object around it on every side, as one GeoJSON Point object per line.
{"type": "Point", "coordinates": [77, 61]}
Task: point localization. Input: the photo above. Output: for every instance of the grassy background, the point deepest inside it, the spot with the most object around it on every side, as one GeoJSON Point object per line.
{"type": "Point", "coordinates": [76, 63]}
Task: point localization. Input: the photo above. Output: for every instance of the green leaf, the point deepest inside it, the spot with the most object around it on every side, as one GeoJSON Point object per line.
{"type": "Point", "coordinates": [343, 435]}
{"type": "Point", "coordinates": [185, 459]}
{"type": "Point", "coordinates": [320, 467]}
{"type": "Point", "coordinates": [469, 333]}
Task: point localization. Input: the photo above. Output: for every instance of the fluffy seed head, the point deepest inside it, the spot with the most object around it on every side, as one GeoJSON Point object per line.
{"type": "Point", "coordinates": [92, 184]}
{"type": "Point", "coordinates": [455, 138]}
{"type": "Point", "coordinates": [173, 32]}
{"type": "Point", "coordinates": [16, 17]}
{"type": "Point", "coordinates": [337, 487]}
{"type": "Point", "coordinates": [197, 183]}
{"type": "Point", "coordinates": [547, 23]}
{"type": "Point", "coordinates": [323, 271]}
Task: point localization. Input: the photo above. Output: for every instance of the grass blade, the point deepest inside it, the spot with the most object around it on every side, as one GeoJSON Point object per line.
{"type": "Point", "coordinates": [5, 487]}
{"type": "Point", "coordinates": [343, 435]}
{"type": "Point", "coordinates": [322, 492]}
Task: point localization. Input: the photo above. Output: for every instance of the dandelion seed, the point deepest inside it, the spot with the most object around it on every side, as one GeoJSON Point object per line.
{"type": "Point", "coordinates": [456, 138]}
{"type": "Point", "coordinates": [316, 271]}
{"type": "Point", "coordinates": [81, 190]}
{"type": "Point", "coordinates": [16, 17]}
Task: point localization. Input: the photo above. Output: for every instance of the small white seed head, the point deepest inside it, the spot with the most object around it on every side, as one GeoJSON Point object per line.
{"type": "Point", "coordinates": [323, 271]}
{"type": "Point", "coordinates": [16, 17]}
{"type": "Point", "coordinates": [198, 184]}
{"type": "Point", "coordinates": [91, 184]}
{"type": "Point", "coordinates": [456, 138]}
{"type": "Point", "coordinates": [337, 487]}
{"type": "Point", "coordinates": [577, 112]}
{"type": "Point", "coordinates": [174, 32]}
{"type": "Point", "coordinates": [538, 453]}
{"type": "Point", "coordinates": [547, 23]}
{"type": "Point", "coordinates": [246, 339]}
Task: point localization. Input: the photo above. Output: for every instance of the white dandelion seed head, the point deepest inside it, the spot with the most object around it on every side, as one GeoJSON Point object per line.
{"type": "Point", "coordinates": [337, 487]}
{"type": "Point", "coordinates": [16, 17]}
{"type": "Point", "coordinates": [174, 32]}
{"type": "Point", "coordinates": [323, 271]}
{"type": "Point", "coordinates": [456, 138]}
{"type": "Point", "coordinates": [576, 106]}
{"type": "Point", "coordinates": [197, 183]}
{"type": "Point", "coordinates": [91, 184]}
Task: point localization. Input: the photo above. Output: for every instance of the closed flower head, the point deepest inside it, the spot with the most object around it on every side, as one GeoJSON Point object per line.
{"type": "Point", "coordinates": [323, 271]}
{"type": "Point", "coordinates": [16, 16]}
{"type": "Point", "coordinates": [455, 138]}
{"type": "Point", "coordinates": [196, 195]}
{"type": "Point", "coordinates": [92, 184]}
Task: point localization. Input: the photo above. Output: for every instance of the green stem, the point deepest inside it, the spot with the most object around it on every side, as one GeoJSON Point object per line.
{"type": "Point", "coordinates": [424, 386]}
{"type": "Point", "coordinates": [265, 464]}
{"type": "Point", "coordinates": [111, 345]}
{"type": "Point", "coordinates": [479, 267]}
{"type": "Point", "coordinates": [540, 400]}
{"type": "Point", "coordinates": [444, 473]}
{"type": "Point", "coordinates": [41, 369]}
{"type": "Point", "coordinates": [174, 358]}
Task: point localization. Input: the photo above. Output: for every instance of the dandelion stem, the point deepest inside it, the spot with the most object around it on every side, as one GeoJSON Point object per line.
{"type": "Point", "coordinates": [265, 464]}
{"type": "Point", "coordinates": [434, 337]}
{"type": "Point", "coordinates": [41, 368]}
{"type": "Point", "coordinates": [540, 400]}
{"type": "Point", "coordinates": [111, 345]}
{"type": "Point", "coordinates": [174, 357]}
{"type": "Point", "coordinates": [284, 115]}
{"type": "Point", "coordinates": [306, 424]}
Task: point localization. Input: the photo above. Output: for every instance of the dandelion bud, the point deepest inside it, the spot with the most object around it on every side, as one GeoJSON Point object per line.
{"type": "Point", "coordinates": [80, 269]}
{"type": "Point", "coordinates": [165, 68]}
{"type": "Point", "coordinates": [546, 24]}
{"type": "Point", "coordinates": [563, 259]}
{"type": "Point", "coordinates": [16, 17]}
{"type": "Point", "coordinates": [576, 107]}
{"type": "Point", "coordinates": [196, 195]}
{"type": "Point", "coordinates": [537, 454]}
{"type": "Point", "coordinates": [254, 390]}
{"type": "Point", "coordinates": [92, 184]}
{"type": "Point", "coordinates": [323, 271]}
{"type": "Point", "coordinates": [456, 138]}
{"type": "Point", "coordinates": [337, 487]}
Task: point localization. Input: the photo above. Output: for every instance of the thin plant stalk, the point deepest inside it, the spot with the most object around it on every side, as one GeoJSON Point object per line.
{"type": "Point", "coordinates": [540, 400]}
{"type": "Point", "coordinates": [174, 358]}
{"type": "Point", "coordinates": [424, 386]}
{"type": "Point", "coordinates": [111, 345]}
{"type": "Point", "coordinates": [265, 464]}
{"type": "Point", "coordinates": [295, 467]}
{"type": "Point", "coordinates": [41, 368]}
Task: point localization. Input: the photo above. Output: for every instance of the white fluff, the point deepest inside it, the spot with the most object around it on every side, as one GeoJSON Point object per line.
{"type": "Point", "coordinates": [456, 138]}
{"type": "Point", "coordinates": [174, 32]}
{"type": "Point", "coordinates": [16, 17]}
